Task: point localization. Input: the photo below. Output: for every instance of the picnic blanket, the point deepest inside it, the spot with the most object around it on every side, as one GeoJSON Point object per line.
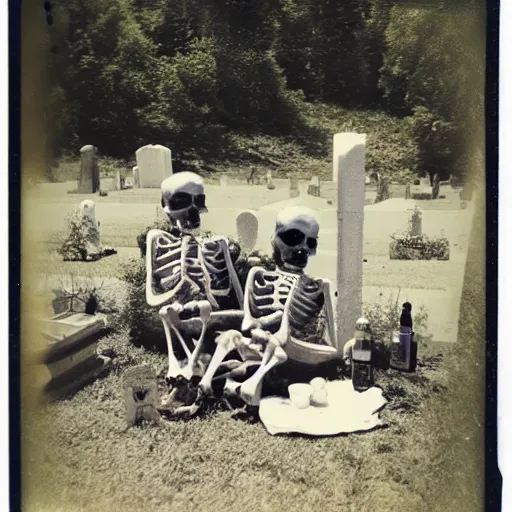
{"type": "Point", "coordinates": [348, 411]}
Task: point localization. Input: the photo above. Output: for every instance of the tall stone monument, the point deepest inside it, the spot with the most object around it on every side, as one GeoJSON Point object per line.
{"type": "Point", "coordinates": [349, 172]}
{"type": "Point", "coordinates": [89, 172]}
{"type": "Point", "coordinates": [155, 165]}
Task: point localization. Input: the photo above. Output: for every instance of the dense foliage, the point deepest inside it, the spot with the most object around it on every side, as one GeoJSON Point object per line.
{"type": "Point", "coordinates": [191, 73]}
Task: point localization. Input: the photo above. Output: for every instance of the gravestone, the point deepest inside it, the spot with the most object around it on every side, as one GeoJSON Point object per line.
{"type": "Point", "coordinates": [270, 181]}
{"type": "Point", "coordinates": [136, 183]}
{"type": "Point", "coordinates": [118, 180]}
{"type": "Point", "coordinates": [155, 165]}
{"type": "Point", "coordinates": [247, 230]}
{"type": "Point", "coordinates": [293, 183]}
{"type": "Point", "coordinates": [89, 171]}
{"type": "Point", "coordinates": [223, 180]}
{"type": "Point", "coordinates": [435, 186]}
{"type": "Point", "coordinates": [416, 227]}
{"type": "Point", "coordinates": [314, 186]}
{"type": "Point", "coordinates": [349, 172]}
{"type": "Point", "coordinates": [408, 191]}
{"type": "Point", "coordinates": [88, 211]}
{"type": "Point", "coordinates": [140, 394]}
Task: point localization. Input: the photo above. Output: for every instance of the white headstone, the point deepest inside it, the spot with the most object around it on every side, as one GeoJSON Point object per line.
{"type": "Point", "coordinates": [223, 180]}
{"type": "Point", "coordinates": [348, 164]}
{"type": "Point", "coordinates": [136, 183]}
{"type": "Point", "coordinates": [247, 230]}
{"type": "Point", "coordinates": [155, 165]}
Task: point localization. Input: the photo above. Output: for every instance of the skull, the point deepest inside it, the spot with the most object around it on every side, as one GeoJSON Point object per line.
{"type": "Point", "coordinates": [183, 199]}
{"type": "Point", "coordinates": [295, 238]}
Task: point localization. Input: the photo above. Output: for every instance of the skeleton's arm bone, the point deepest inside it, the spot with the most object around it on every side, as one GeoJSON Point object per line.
{"type": "Point", "coordinates": [329, 313]}
{"type": "Point", "coordinates": [231, 270]}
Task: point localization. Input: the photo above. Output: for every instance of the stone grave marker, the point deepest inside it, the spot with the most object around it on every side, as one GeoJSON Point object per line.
{"type": "Point", "coordinates": [247, 230]}
{"type": "Point", "coordinates": [294, 186]}
{"type": "Point", "coordinates": [89, 172]}
{"type": "Point", "coordinates": [314, 186]}
{"type": "Point", "coordinates": [155, 165]}
{"type": "Point", "coordinates": [88, 211]}
{"type": "Point", "coordinates": [223, 180]}
{"type": "Point", "coordinates": [416, 225]}
{"type": "Point", "coordinates": [349, 172]}
{"type": "Point", "coordinates": [118, 180]}
{"type": "Point", "coordinates": [136, 183]}
{"type": "Point", "coordinates": [270, 180]}
{"type": "Point", "coordinates": [140, 395]}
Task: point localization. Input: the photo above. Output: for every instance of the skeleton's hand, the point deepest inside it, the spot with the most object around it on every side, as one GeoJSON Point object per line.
{"type": "Point", "coordinates": [347, 349]}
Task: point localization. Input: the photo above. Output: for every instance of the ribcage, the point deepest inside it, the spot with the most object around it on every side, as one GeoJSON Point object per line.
{"type": "Point", "coordinates": [306, 302]}
{"type": "Point", "coordinates": [270, 291]}
{"type": "Point", "coordinates": [215, 263]}
{"type": "Point", "coordinates": [175, 258]}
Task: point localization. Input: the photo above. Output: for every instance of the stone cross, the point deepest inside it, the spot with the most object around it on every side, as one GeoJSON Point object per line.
{"type": "Point", "coordinates": [89, 171]}
{"type": "Point", "coordinates": [155, 165]}
{"type": "Point", "coordinates": [140, 395]}
{"type": "Point", "coordinates": [136, 183]}
{"type": "Point", "coordinates": [349, 172]}
{"type": "Point", "coordinates": [247, 230]}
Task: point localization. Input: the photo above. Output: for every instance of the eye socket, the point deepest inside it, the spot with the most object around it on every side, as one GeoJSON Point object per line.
{"type": "Point", "coordinates": [180, 200]}
{"type": "Point", "coordinates": [292, 237]}
{"type": "Point", "coordinates": [312, 243]}
{"type": "Point", "coordinates": [200, 200]}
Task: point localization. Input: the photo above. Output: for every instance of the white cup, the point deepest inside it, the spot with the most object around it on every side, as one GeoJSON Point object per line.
{"type": "Point", "coordinates": [300, 395]}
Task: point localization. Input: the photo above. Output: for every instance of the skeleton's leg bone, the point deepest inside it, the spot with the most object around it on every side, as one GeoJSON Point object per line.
{"type": "Point", "coordinates": [174, 365]}
{"type": "Point", "coordinates": [250, 391]}
{"type": "Point", "coordinates": [231, 387]}
{"type": "Point", "coordinates": [171, 315]}
{"type": "Point", "coordinates": [239, 371]}
{"type": "Point", "coordinates": [205, 310]}
{"type": "Point", "coordinates": [226, 342]}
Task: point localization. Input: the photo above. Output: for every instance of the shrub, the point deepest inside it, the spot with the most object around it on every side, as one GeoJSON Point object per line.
{"type": "Point", "coordinates": [423, 196]}
{"type": "Point", "coordinates": [74, 245]}
{"type": "Point", "coordinates": [408, 247]}
{"type": "Point", "coordinates": [384, 318]}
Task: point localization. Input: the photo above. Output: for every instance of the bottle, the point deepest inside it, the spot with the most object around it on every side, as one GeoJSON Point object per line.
{"type": "Point", "coordinates": [362, 368]}
{"type": "Point", "coordinates": [404, 350]}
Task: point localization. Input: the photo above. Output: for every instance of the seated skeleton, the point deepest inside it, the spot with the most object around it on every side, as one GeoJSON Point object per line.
{"type": "Point", "coordinates": [187, 277]}
{"type": "Point", "coordinates": [277, 305]}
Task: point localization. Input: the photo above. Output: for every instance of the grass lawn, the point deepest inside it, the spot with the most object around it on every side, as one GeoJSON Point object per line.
{"type": "Point", "coordinates": [81, 457]}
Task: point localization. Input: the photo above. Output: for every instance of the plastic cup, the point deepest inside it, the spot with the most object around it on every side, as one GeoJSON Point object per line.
{"type": "Point", "coordinates": [300, 395]}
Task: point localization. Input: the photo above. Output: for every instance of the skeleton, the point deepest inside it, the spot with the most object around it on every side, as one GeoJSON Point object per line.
{"type": "Point", "coordinates": [276, 304]}
{"type": "Point", "coordinates": [186, 275]}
